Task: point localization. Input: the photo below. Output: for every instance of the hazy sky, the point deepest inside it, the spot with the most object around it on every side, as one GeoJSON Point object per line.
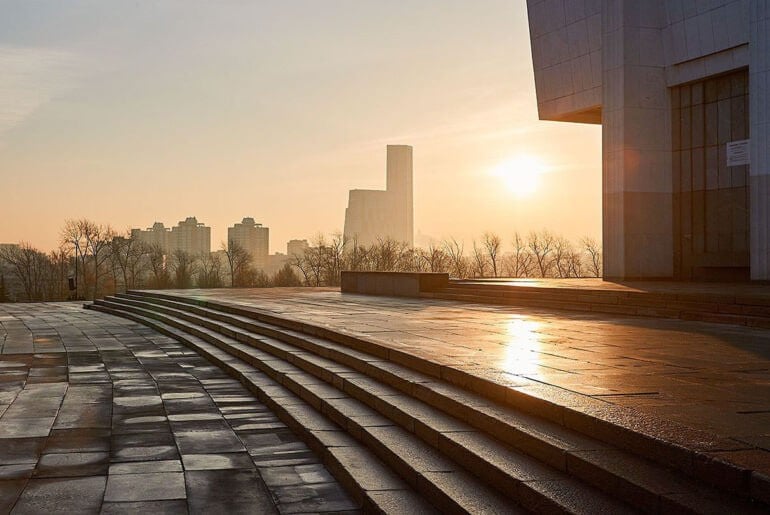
{"type": "Point", "coordinates": [128, 112]}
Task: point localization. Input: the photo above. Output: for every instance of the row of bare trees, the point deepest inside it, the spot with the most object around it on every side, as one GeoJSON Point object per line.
{"type": "Point", "coordinates": [93, 260]}
{"type": "Point", "coordinates": [539, 254]}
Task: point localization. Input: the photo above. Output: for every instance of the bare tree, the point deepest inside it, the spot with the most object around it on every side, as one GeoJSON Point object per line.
{"type": "Point", "coordinates": [98, 240]}
{"type": "Point", "coordinates": [156, 257]}
{"type": "Point", "coordinates": [388, 255]}
{"type": "Point", "coordinates": [60, 268]}
{"type": "Point", "coordinates": [73, 235]}
{"type": "Point", "coordinates": [434, 258]}
{"type": "Point", "coordinates": [129, 254]}
{"type": "Point", "coordinates": [209, 271]}
{"type": "Point", "coordinates": [315, 260]}
{"type": "Point", "coordinates": [492, 244]}
{"type": "Point", "coordinates": [335, 256]}
{"type": "Point", "coordinates": [479, 260]}
{"type": "Point", "coordinates": [286, 277]}
{"type": "Point", "coordinates": [31, 267]}
{"type": "Point", "coordinates": [542, 245]}
{"type": "Point", "coordinates": [301, 263]}
{"type": "Point", "coordinates": [458, 265]}
{"type": "Point", "coordinates": [594, 251]}
{"type": "Point", "coordinates": [519, 262]}
{"type": "Point", "coordinates": [563, 256]}
{"type": "Point", "coordinates": [357, 258]}
{"type": "Point", "coordinates": [184, 266]}
{"type": "Point", "coordinates": [255, 278]}
{"type": "Point", "coordinates": [238, 261]}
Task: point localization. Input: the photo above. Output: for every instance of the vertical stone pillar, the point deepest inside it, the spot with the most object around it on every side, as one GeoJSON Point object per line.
{"type": "Point", "coordinates": [636, 142]}
{"type": "Point", "coordinates": [759, 167]}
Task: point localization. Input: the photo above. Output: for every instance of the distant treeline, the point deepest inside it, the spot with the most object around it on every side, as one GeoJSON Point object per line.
{"type": "Point", "coordinates": [93, 261]}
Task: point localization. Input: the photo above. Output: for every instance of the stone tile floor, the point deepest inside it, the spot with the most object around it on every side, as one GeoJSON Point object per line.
{"type": "Point", "coordinates": [707, 376]}
{"type": "Point", "coordinates": [100, 414]}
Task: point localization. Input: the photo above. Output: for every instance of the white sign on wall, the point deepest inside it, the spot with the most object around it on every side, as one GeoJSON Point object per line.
{"type": "Point", "coordinates": [738, 153]}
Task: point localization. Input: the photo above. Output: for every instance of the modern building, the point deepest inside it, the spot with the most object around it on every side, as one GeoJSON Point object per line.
{"type": "Point", "coordinates": [254, 238]}
{"type": "Point", "coordinates": [190, 236]}
{"type": "Point", "coordinates": [680, 89]}
{"type": "Point", "coordinates": [296, 247]}
{"type": "Point", "coordinates": [375, 214]}
{"type": "Point", "coordinates": [158, 234]}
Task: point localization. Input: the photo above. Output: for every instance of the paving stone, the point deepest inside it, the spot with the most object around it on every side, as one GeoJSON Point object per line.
{"type": "Point", "coordinates": [313, 498]}
{"type": "Point", "coordinates": [16, 471]}
{"type": "Point", "coordinates": [144, 453]}
{"type": "Point", "coordinates": [61, 495]}
{"type": "Point", "coordinates": [153, 486]}
{"type": "Point", "coordinates": [73, 464]}
{"type": "Point", "coordinates": [207, 442]}
{"type": "Point", "coordinates": [10, 490]}
{"type": "Point", "coordinates": [20, 450]}
{"type": "Point", "coordinates": [25, 427]}
{"type": "Point", "coordinates": [143, 467]}
{"type": "Point", "coordinates": [156, 507]}
{"type": "Point", "coordinates": [227, 491]}
{"type": "Point", "coordinates": [236, 460]}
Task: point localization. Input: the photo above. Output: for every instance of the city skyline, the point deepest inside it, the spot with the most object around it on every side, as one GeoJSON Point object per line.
{"type": "Point", "coordinates": [122, 113]}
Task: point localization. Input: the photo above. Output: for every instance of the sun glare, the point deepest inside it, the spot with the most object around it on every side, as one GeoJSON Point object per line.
{"type": "Point", "coordinates": [520, 174]}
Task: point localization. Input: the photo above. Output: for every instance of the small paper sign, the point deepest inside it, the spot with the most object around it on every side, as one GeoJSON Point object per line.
{"type": "Point", "coordinates": [738, 153]}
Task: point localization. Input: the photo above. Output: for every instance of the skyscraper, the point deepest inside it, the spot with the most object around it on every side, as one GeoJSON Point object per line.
{"type": "Point", "coordinates": [375, 214]}
{"type": "Point", "coordinates": [252, 237]}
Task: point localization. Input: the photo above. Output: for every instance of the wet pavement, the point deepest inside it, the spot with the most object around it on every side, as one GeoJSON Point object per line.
{"type": "Point", "coordinates": [752, 290]}
{"type": "Point", "coordinates": [100, 414]}
{"type": "Point", "coordinates": [707, 376]}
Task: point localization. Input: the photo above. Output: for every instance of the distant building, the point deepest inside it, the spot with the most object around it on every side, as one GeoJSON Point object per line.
{"type": "Point", "coordinates": [252, 237]}
{"type": "Point", "coordinates": [190, 236]}
{"type": "Point", "coordinates": [158, 234]}
{"type": "Point", "coordinates": [275, 262]}
{"type": "Point", "coordinates": [680, 90]}
{"type": "Point", "coordinates": [296, 248]}
{"type": "Point", "coordinates": [374, 214]}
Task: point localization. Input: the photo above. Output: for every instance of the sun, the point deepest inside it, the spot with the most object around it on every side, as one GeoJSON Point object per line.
{"type": "Point", "coordinates": [520, 174]}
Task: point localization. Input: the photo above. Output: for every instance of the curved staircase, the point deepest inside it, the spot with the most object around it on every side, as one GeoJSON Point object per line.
{"type": "Point", "coordinates": [407, 437]}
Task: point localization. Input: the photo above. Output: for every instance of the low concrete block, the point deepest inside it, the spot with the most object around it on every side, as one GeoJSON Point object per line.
{"type": "Point", "coordinates": [398, 284]}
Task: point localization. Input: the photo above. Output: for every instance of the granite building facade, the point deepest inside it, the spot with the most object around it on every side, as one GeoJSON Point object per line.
{"type": "Point", "coordinates": [680, 90]}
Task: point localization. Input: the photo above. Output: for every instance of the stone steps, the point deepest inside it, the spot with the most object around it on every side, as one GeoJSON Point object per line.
{"type": "Point", "coordinates": [536, 462]}
{"type": "Point", "coordinates": [746, 311]}
{"type": "Point", "coordinates": [399, 431]}
{"type": "Point", "coordinates": [374, 485]}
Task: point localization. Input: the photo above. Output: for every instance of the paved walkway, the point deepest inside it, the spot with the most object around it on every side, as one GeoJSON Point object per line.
{"type": "Point", "coordinates": [100, 414]}
{"type": "Point", "coordinates": [707, 376]}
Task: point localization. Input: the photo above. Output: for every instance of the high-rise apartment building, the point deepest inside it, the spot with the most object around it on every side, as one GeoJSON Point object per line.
{"type": "Point", "coordinates": [158, 235]}
{"type": "Point", "coordinates": [190, 236]}
{"type": "Point", "coordinates": [254, 238]}
{"type": "Point", "coordinates": [296, 247]}
{"type": "Point", "coordinates": [375, 214]}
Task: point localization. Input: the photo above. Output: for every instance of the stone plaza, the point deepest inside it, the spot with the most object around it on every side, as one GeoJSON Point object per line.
{"type": "Point", "coordinates": [310, 400]}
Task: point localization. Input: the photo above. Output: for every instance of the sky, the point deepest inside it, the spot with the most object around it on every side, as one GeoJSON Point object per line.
{"type": "Point", "coordinates": [131, 112]}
